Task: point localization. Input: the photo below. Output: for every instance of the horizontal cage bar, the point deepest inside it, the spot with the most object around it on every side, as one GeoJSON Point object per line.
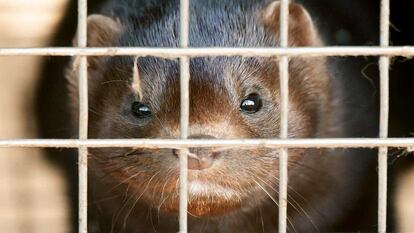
{"type": "Point", "coordinates": [403, 51]}
{"type": "Point", "coordinates": [240, 143]}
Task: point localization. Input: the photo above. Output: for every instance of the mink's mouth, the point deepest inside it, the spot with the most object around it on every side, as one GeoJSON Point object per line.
{"type": "Point", "coordinates": [208, 199]}
{"type": "Point", "coordinates": [234, 180]}
{"type": "Point", "coordinates": [207, 194]}
{"type": "Point", "coordinates": [199, 188]}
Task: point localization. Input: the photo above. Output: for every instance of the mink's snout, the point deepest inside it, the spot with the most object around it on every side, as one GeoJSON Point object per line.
{"type": "Point", "coordinates": [199, 158]}
{"type": "Point", "coordinates": [203, 159]}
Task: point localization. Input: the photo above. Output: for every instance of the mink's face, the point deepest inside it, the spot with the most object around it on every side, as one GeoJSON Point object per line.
{"type": "Point", "coordinates": [230, 97]}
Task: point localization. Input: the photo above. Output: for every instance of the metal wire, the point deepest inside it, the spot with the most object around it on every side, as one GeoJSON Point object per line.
{"type": "Point", "coordinates": [83, 118]}
{"type": "Point", "coordinates": [402, 51]}
{"type": "Point", "coordinates": [284, 110]}
{"type": "Point", "coordinates": [384, 63]}
{"type": "Point", "coordinates": [184, 114]}
{"type": "Point", "coordinates": [239, 143]}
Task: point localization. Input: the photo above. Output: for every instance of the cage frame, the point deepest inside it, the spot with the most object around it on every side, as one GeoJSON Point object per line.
{"type": "Point", "coordinates": [184, 53]}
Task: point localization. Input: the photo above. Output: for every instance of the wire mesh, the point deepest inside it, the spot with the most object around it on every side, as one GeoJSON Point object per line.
{"type": "Point", "coordinates": [184, 53]}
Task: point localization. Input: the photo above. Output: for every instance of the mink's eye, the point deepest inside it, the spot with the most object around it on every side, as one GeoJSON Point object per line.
{"type": "Point", "coordinates": [140, 110]}
{"type": "Point", "coordinates": [251, 103]}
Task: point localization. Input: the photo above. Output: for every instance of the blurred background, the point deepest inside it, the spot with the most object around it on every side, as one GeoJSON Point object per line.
{"type": "Point", "coordinates": [33, 195]}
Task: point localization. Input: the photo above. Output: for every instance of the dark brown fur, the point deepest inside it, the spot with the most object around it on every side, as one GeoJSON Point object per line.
{"type": "Point", "coordinates": [136, 190]}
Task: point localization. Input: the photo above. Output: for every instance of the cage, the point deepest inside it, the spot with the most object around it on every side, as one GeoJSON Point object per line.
{"type": "Point", "coordinates": [184, 53]}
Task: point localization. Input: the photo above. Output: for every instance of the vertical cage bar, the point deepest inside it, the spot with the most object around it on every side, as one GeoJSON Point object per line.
{"type": "Point", "coordinates": [284, 108]}
{"type": "Point", "coordinates": [83, 118]}
{"type": "Point", "coordinates": [184, 113]}
{"type": "Point", "coordinates": [384, 63]}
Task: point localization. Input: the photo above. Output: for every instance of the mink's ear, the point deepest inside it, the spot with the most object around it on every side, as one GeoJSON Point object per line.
{"type": "Point", "coordinates": [102, 31]}
{"type": "Point", "coordinates": [302, 32]}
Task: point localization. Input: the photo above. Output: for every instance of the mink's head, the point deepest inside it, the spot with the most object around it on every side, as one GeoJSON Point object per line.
{"type": "Point", "coordinates": [230, 97]}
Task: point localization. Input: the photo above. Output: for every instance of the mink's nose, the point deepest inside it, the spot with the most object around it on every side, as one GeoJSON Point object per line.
{"type": "Point", "coordinates": [200, 158]}
{"type": "Point", "coordinates": [203, 158]}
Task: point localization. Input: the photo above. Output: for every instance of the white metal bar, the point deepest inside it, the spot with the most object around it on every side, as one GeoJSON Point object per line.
{"type": "Point", "coordinates": [284, 110]}
{"type": "Point", "coordinates": [239, 143]}
{"type": "Point", "coordinates": [385, 23]}
{"type": "Point", "coordinates": [384, 63]}
{"type": "Point", "coordinates": [83, 118]}
{"type": "Point", "coordinates": [184, 113]}
{"type": "Point", "coordinates": [402, 51]}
